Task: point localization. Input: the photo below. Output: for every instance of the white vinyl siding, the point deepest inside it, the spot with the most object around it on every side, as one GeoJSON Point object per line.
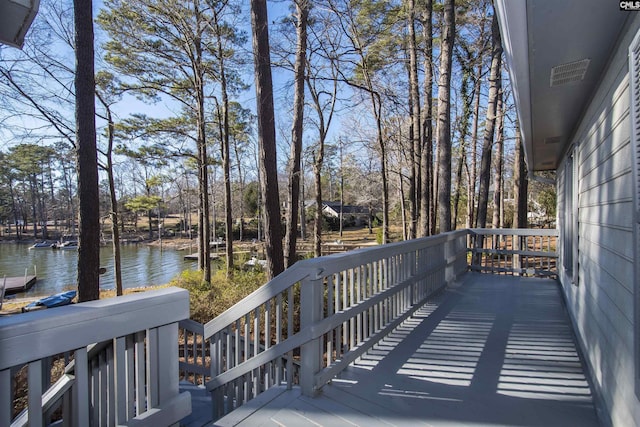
{"type": "Point", "coordinates": [634, 70]}
{"type": "Point", "coordinates": [604, 305]}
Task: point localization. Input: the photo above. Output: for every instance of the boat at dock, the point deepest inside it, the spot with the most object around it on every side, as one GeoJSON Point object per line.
{"type": "Point", "coordinates": [68, 245]}
{"type": "Point", "coordinates": [41, 245]}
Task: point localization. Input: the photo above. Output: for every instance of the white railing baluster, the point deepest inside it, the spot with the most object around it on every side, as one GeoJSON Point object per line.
{"type": "Point", "coordinates": [267, 342]}
{"type": "Point", "coordinates": [80, 391]}
{"type": "Point", "coordinates": [152, 367]}
{"type": "Point", "coordinates": [289, 335]}
{"type": "Point", "coordinates": [330, 307]}
{"type": "Point", "coordinates": [352, 300]}
{"type": "Point", "coordinates": [120, 368]}
{"type": "Point", "coordinates": [336, 308]}
{"type": "Point", "coordinates": [358, 299]}
{"type": "Point", "coordinates": [278, 337]}
{"type": "Point", "coordinates": [345, 304]}
{"type": "Point", "coordinates": [256, 347]}
{"type": "Point", "coordinates": [34, 382]}
{"type": "Point", "coordinates": [106, 386]}
{"type": "Point", "coordinates": [140, 372]}
{"type": "Point", "coordinates": [94, 365]}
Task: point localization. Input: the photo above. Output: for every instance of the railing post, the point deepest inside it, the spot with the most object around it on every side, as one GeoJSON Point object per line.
{"type": "Point", "coordinates": [449, 272]}
{"type": "Point", "coordinates": [311, 304]}
{"type": "Point", "coordinates": [6, 397]}
{"type": "Point", "coordinates": [517, 266]}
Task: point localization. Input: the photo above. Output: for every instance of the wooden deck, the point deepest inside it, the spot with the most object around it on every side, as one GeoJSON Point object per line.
{"type": "Point", "coordinates": [18, 284]}
{"type": "Point", "coordinates": [491, 350]}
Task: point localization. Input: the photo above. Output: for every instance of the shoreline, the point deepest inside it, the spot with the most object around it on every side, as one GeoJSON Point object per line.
{"type": "Point", "coordinates": [14, 305]}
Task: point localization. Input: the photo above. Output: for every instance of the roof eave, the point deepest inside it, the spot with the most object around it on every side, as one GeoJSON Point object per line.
{"type": "Point", "coordinates": [512, 18]}
{"type": "Point", "coordinates": [17, 16]}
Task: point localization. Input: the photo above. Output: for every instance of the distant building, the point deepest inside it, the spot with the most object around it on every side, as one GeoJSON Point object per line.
{"type": "Point", "coordinates": [352, 215]}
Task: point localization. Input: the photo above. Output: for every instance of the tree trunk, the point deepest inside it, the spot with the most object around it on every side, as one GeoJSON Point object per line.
{"type": "Point", "coordinates": [383, 171]}
{"type": "Point", "coordinates": [416, 140]}
{"type": "Point", "coordinates": [89, 248]}
{"type": "Point", "coordinates": [471, 199]}
{"type": "Point", "coordinates": [14, 209]}
{"type": "Point", "coordinates": [520, 184]}
{"type": "Point", "coordinates": [405, 234]}
{"type": "Point", "coordinates": [150, 220]}
{"type": "Point", "coordinates": [317, 170]}
{"type": "Point", "coordinates": [467, 99]}
{"type": "Point", "coordinates": [492, 103]}
{"type": "Point", "coordinates": [267, 138]}
{"type": "Point", "coordinates": [303, 214]}
{"type": "Point", "coordinates": [34, 203]}
{"type": "Point", "coordinates": [302, 13]}
{"type": "Point", "coordinates": [225, 149]}
{"type": "Point", "coordinates": [426, 169]}
{"type": "Point", "coordinates": [341, 189]}
{"type": "Point", "coordinates": [204, 225]}
{"type": "Point", "coordinates": [444, 112]}
{"type": "Point", "coordinates": [459, 170]}
{"type": "Point", "coordinates": [241, 182]}
{"type": "Point", "coordinates": [499, 164]}
{"type": "Point", "coordinates": [115, 230]}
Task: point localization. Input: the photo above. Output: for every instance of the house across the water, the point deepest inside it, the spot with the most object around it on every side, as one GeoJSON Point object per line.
{"type": "Point", "coordinates": [352, 215]}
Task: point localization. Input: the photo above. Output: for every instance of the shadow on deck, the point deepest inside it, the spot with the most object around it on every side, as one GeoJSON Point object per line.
{"type": "Point", "coordinates": [489, 350]}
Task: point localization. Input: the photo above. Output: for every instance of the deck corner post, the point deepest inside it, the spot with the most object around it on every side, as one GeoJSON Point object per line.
{"type": "Point", "coordinates": [167, 360]}
{"type": "Point", "coordinates": [311, 304]}
{"type": "Point", "coordinates": [517, 265]}
{"type": "Point", "coordinates": [449, 253]}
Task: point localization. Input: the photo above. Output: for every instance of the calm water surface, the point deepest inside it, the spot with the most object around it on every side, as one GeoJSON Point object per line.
{"type": "Point", "coordinates": [141, 266]}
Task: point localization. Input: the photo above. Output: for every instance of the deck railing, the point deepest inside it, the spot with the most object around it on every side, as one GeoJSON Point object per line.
{"type": "Point", "coordinates": [310, 322]}
{"type": "Point", "coordinates": [303, 327]}
{"type": "Point", "coordinates": [128, 378]}
{"type": "Point", "coordinates": [525, 252]}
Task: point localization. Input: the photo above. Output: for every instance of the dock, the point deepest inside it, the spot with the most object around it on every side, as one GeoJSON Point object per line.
{"type": "Point", "coordinates": [19, 284]}
{"type": "Point", "coordinates": [194, 256]}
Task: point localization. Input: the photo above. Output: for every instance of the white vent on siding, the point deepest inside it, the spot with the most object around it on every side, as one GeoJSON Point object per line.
{"type": "Point", "coordinates": [569, 73]}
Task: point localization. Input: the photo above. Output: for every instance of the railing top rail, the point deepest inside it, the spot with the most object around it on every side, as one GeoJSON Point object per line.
{"type": "Point", "coordinates": [335, 263]}
{"type": "Point", "coordinates": [55, 331]}
{"type": "Point", "coordinates": [516, 231]}
{"type": "Point", "coordinates": [192, 326]}
{"type": "Point", "coordinates": [317, 268]}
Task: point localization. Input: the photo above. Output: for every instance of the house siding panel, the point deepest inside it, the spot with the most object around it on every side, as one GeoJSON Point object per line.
{"type": "Point", "coordinates": [599, 213]}
{"type": "Point", "coordinates": [601, 305]}
{"type": "Point", "coordinates": [618, 267]}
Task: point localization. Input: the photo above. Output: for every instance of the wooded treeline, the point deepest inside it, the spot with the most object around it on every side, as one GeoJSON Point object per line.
{"type": "Point", "coordinates": [402, 107]}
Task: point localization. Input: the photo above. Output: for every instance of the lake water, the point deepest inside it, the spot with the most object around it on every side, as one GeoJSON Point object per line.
{"type": "Point", "coordinates": [142, 265]}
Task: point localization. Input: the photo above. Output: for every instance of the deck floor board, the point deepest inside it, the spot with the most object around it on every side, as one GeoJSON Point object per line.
{"type": "Point", "coordinates": [490, 350]}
